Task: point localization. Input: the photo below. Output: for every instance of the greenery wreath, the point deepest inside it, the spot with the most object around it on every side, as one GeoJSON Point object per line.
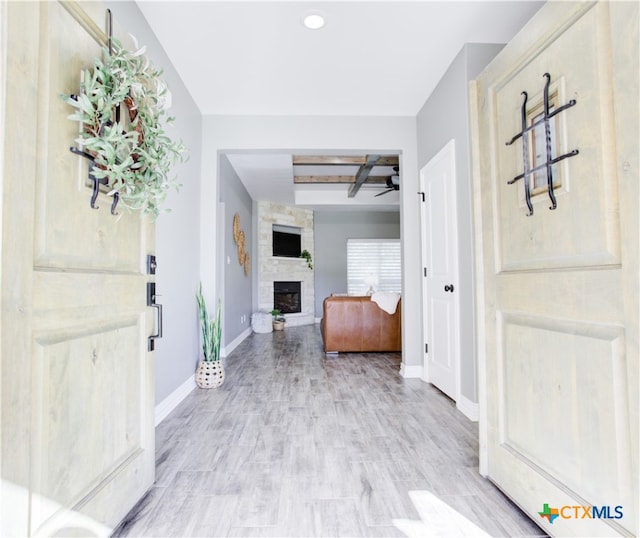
{"type": "Point", "coordinates": [132, 155]}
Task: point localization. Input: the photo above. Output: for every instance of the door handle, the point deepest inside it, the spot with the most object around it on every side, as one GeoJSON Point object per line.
{"type": "Point", "coordinates": [151, 301]}
{"type": "Point", "coordinates": [448, 287]}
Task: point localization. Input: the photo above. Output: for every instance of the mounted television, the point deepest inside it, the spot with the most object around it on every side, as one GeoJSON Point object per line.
{"type": "Point", "coordinates": [286, 241]}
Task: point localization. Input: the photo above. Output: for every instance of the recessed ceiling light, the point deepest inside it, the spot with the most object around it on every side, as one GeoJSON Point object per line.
{"type": "Point", "coordinates": [314, 21]}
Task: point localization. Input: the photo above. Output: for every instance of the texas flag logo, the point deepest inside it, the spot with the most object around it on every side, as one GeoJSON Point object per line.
{"type": "Point", "coordinates": [549, 513]}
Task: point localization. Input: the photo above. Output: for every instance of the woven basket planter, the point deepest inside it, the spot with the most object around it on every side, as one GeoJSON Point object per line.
{"type": "Point", "coordinates": [210, 374]}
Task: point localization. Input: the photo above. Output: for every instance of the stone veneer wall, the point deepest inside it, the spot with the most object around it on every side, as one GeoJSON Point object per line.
{"type": "Point", "coordinates": [271, 269]}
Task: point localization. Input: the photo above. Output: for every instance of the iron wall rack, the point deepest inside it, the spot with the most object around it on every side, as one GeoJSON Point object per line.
{"type": "Point", "coordinates": [96, 182]}
{"type": "Point", "coordinates": [550, 160]}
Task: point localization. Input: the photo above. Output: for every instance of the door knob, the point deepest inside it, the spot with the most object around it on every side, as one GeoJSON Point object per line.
{"type": "Point", "coordinates": [448, 287]}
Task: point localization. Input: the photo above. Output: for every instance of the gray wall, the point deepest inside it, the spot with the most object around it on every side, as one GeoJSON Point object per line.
{"type": "Point", "coordinates": [178, 232]}
{"type": "Point", "coordinates": [443, 117]}
{"type": "Point", "coordinates": [332, 229]}
{"type": "Point", "coordinates": [237, 300]}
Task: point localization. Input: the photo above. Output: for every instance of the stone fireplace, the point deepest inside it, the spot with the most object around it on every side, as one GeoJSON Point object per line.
{"type": "Point", "coordinates": [275, 271]}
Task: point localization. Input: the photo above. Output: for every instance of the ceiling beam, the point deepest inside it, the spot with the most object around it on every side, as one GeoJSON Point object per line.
{"type": "Point", "coordinates": [388, 160]}
{"type": "Point", "coordinates": [362, 174]}
{"type": "Point", "coordinates": [314, 160]}
{"type": "Point", "coordinates": [302, 160]}
{"type": "Point", "coordinates": [300, 180]}
{"type": "Point", "coordinates": [324, 179]}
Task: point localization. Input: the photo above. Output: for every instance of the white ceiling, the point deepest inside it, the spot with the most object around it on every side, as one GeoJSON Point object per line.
{"type": "Point", "coordinates": [371, 58]}
{"type": "Point", "coordinates": [380, 58]}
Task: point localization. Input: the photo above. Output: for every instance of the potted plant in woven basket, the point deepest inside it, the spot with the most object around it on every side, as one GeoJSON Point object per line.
{"type": "Point", "coordinates": [210, 373]}
{"type": "Point", "coordinates": [278, 320]}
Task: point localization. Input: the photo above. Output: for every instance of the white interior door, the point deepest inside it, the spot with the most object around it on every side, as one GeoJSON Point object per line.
{"type": "Point", "coordinates": [559, 287]}
{"type": "Point", "coordinates": [440, 244]}
{"type": "Point", "coordinates": [77, 380]}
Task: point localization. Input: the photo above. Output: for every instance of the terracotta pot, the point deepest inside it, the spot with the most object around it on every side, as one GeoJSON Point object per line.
{"type": "Point", "coordinates": [209, 374]}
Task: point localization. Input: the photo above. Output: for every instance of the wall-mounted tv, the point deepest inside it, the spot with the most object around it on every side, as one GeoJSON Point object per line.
{"type": "Point", "coordinates": [286, 241]}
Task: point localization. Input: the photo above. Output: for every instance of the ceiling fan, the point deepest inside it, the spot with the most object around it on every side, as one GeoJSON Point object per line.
{"type": "Point", "coordinates": [393, 183]}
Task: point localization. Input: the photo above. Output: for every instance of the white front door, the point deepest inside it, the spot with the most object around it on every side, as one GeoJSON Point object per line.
{"type": "Point", "coordinates": [440, 244]}
{"type": "Point", "coordinates": [560, 287]}
{"type": "Point", "coordinates": [77, 379]}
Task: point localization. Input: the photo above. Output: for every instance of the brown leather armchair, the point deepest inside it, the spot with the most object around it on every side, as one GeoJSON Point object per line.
{"type": "Point", "coordinates": [358, 324]}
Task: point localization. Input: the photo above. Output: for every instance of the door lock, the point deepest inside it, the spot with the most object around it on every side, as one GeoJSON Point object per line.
{"type": "Point", "coordinates": [448, 287]}
{"type": "Point", "coordinates": [152, 265]}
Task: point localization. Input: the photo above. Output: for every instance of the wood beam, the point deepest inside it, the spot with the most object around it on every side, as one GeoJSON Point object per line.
{"type": "Point", "coordinates": [388, 160]}
{"type": "Point", "coordinates": [315, 160]}
{"type": "Point", "coordinates": [362, 174]}
{"type": "Point", "coordinates": [301, 160]}
{"type": "Point", "coordinates": [324, 179]}
{"type": "Point", "coordinates": [301, 180]}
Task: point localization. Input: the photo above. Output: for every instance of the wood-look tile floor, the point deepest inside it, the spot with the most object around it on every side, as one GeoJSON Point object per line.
{"type": "Point", "coordinates": [299, 443]}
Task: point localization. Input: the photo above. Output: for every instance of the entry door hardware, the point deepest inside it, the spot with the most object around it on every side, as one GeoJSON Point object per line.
{"type": "Point", "coordinates": [151, 301]}
{"type": "Point", "coordinates": [448, 287]}
{"type": "Point", "coordinates": [152, 265]}
{"type": "Point", "coordinates": [550, 160]}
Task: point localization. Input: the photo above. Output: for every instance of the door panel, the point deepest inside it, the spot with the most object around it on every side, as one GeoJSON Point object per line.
{"type": "Point", "coordinates": [77, 380]}
{"type": "Point", "coordinates": [96, 421]}
{"type": "Point", "coordinates": [442, 368]}
{"type": "Point", "coordinates": [541, 242]}
{"type": "Point", "coordinates": [540, 378]}
{"type": "Point", "coordinates": [561, 346]}
{"type": "Point", "coordinates": [102, 242]}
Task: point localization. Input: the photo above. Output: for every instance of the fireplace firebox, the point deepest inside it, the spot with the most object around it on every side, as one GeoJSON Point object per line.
{"type": "Point", "coordinates": [286, 297]}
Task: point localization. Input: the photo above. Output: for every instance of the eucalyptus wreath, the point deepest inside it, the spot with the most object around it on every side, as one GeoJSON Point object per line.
{"type": "Point", "coordinates": [134, 155]}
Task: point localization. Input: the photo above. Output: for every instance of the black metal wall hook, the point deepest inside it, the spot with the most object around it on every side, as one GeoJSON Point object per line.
{"type": "Point", "coordinates": [81, 153]}
{"type": "Point", "coordinates": [94, 180]}
{"type": "Point", "coordinates": [549, 160]}
{"type": "Point", "coordinates": [525, 154]}
{"type": "Point", "coordinates": [547, 137]}
{"type": "Point", "coordinates": [96, 187]}
{"type": "Point", "coordinates": [114, 204]}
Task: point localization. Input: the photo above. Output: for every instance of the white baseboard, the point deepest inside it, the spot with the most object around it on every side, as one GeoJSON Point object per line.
{"type": "Point", "coordinates": [226, 350]}
{"type": "Point", "coordinates": [468, 408]}
{"type": "Point", "coordinates": [411, 371]}
{"type": "Point", "coordinates": [172, 401]}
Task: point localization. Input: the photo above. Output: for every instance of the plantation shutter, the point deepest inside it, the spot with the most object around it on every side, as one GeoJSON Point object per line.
{"type": "Point", "coordinates": [373, 263]}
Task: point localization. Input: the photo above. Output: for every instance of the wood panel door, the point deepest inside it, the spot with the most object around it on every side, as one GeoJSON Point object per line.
{"type": "Point", "coordinates": [77, 380]}
{"type": "Point", "coordinates": [439, 232]}
{"type": "Point", "coordinates": [560, 294]}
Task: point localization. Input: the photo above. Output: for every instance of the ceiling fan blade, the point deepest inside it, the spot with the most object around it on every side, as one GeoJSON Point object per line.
{"type": "Point", "coordinates": [383, 192]}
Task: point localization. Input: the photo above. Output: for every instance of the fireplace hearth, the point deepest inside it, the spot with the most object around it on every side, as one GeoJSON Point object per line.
{"type": "Point", "coordinates": [286, 297]}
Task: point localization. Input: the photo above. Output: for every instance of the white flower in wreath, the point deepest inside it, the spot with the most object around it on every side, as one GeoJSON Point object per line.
{"type": "Point", "coordinates": [164, 95]}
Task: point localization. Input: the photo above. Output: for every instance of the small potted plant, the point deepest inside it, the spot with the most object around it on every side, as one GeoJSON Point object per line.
{"type": "Point", "coordinates": [278, 320]}
{"type": "Point", "coordinates": [307, 256]}
{"type": "Point", "coordinates": [210, 373]}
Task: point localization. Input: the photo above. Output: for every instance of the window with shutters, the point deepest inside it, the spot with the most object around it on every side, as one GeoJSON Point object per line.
{"type": "Point", "coordinates": [373, 265]}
